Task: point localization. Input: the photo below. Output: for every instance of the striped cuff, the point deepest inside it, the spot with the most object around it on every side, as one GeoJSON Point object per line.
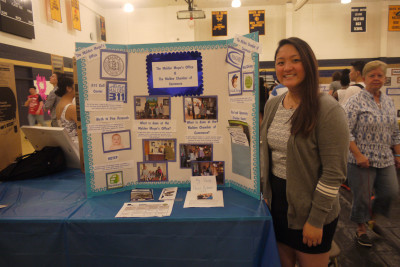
{"type": "Point", "coordinates": [327, 190]}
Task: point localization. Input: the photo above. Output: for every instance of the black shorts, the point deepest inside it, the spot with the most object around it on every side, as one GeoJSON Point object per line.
{"type": "Point", "coordinates": [291, 237]}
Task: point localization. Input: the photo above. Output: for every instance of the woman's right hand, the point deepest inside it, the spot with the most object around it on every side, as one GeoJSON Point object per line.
{"type": "Point", "coordinates": [362, 161]}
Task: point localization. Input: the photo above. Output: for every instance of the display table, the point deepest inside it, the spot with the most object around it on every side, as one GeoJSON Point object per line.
{"type": "Point", "coordinates": [50, 222]}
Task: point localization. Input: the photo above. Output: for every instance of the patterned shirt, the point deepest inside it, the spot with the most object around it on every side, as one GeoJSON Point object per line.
{"type": "Point", "coordinates": [278, 135]}
{"type": "Point", "coordinates": [373, 128]}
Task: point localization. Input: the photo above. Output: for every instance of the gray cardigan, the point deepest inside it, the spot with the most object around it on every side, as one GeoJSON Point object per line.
{"type": "Point", "coordinates": [316, 166]}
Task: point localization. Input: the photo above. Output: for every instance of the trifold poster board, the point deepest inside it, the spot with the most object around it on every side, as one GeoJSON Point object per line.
{"type": "Point", "coordinates": [153, 115]}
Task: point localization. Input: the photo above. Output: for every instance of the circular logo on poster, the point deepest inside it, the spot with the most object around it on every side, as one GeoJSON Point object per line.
{"type": "Point", "coordinates": [113, 65]}
{"type": "Point", "coordinates": [248, 82]}
{"type": "Point", "coordinates": [8, 104]}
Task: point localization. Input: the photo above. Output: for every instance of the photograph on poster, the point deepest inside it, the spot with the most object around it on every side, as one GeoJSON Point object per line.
{"type": "Point", "coordinates": [116, 141]}
{"type": "Point", "coordinates": [248, 81]}
{"type": "Point", "coordinates": [210, 168]}
{"type": "Point", "coordinates": [194, 152]}
{"type": "Point", "coordinates": [117, 91]}
{"type": "Point", "coordinates": [200, 108]}
{"type": "Point", "coordinates": [159, 150]}
{"type": "Point", "coordinates": [113, 64]}
{"type": "Point", "coordinates": [152, 172]}
{"type": "Point", "coordinates": [152, 107]}
{"type": "Point", "coordinates": [235, 83]}
{"type": "Point", "coordinates": [114, 180]}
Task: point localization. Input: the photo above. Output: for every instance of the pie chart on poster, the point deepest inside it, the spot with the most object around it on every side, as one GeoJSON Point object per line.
{"type": "Point", "coordinates": [8, 104]}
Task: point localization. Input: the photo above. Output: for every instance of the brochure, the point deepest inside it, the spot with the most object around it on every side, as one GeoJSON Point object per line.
{"type": "Point", "coordinates": [141, 195]}
{"type": "Point", "coordinates": [168, 193]}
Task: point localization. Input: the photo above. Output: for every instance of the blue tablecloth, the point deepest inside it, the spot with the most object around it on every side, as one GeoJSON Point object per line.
{"type": "Point", "coordinates": [50, 222]}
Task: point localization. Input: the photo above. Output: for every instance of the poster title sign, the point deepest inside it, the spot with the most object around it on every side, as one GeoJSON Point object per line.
{"type": "Point", "coordinates": [170, 74]}
{"type": "Point", "coordinates": [358, 19]}
{"type": "Point", "coordinates": [247, 44]}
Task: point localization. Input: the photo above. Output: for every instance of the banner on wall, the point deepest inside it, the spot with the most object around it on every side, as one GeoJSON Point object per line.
{"type": "Point", "coordinates": [219, 23]}
{"type": "Point", "coordinates": [358, 19]}
{"type": "Point", "coordinates": [257, 21]}
{"type": "Point", "coordinates": [57, 63]}
{"type": "Point", "coordinates": [394, 18]}
{"type": "Point", "coordinates": [76, 16]}
{"type": "Point", "coordinates": [103, 35]}
{"type": "Point", "coordinates": [55, 10]}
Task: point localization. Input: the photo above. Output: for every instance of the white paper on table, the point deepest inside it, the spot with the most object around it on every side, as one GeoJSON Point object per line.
{"type": "Point", "coordinates": [203, 193]}
{"type": "Point", "coordinates": [192, 200]}
{"type": "Point", "coordinates": [146, 209]}
{"type": "Point", "coordinates": [168, 193]}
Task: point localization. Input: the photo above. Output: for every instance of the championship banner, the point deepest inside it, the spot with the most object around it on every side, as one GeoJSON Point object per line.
{"type": "Point", "coordinates": [103, 35]}
{"type": "Point", "coordinates": [219, 23]}
{"type": "Point", "coordinates": [394, 18]}
{"type": "Point", "coordinates": [55, 10]}
{"type": "Point", "coordinates": [57, 63]}
{"type": "Point", "coordinates": [76, 17]}
{"type": "Point", "coordinates": [358, 19]}
{"type": "Point", "coordinates": [257, 21]}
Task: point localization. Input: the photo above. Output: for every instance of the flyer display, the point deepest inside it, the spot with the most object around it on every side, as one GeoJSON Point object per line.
{"type": "Point", "coordinates": [155, 115]}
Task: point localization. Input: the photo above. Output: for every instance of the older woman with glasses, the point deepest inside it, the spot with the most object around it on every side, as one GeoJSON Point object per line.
{"type": "Point", "coordinates": [375, 150]}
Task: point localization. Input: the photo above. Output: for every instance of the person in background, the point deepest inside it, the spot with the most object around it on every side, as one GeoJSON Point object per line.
{"type": "Point", "coordinates": [335, 84]}
{"type": "Point", "coordinates": [355, 74]}
{"type": "Point", "coordinates": [52, 99]}
{"type": "Point", "coordinates": [35, 104]}
{"type": "Point", "coordinates": [344, 82]}
{"type": "Point", "coordinates": [278, 89]}
{"type": "Point", "coordinates": [169, 153]}
{"type": "Point", "coordinates": [375, 150]}
{"type": "Point", "coordinates": [263, 97]}
{"type": "Point", "coordinates": [304, 150]}
{"type": "Point", "coordinates": [66, 110]}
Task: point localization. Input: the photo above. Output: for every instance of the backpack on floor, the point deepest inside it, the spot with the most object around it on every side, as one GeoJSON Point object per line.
{"type": "Point", "coordinates": [39, 163]}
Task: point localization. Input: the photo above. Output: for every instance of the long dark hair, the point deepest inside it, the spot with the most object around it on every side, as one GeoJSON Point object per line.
{"type": "Point", "coordinates": [304, 118]}
{"type": "Point", "coordinates": [63, 82]}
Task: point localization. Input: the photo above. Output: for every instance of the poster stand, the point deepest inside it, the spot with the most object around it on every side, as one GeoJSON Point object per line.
{"type": "Point", "coordinates": [153, 115]}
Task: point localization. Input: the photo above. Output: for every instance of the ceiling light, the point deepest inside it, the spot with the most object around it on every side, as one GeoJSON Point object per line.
{"type": "Point", "coordinates": [346, 1]}
{"type": "Point", "coordinates": [128, 7]}
{"type": "Point", "coordinates": [236, 3]}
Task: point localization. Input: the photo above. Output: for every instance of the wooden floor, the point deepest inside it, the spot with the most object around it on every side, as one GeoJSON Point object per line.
{"type": "Point", "coordinates": [386, 247]}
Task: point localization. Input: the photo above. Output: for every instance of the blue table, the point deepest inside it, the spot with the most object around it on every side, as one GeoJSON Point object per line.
{"type": "Point", "coordinates": [50, 222]}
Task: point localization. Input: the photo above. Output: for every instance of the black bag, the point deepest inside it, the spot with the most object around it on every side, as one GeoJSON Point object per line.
{"type": "Point", "coordinates": [39, 163]}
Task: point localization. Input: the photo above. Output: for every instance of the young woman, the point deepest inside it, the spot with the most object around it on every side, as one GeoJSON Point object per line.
{"type": "Point", "coordinates": [304, 151]}
{"type": "Point", "coordinates": [66, 110]}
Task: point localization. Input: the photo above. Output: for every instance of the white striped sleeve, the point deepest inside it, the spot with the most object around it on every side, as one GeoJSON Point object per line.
{"type": "Point", "coordinates": [327, 190]}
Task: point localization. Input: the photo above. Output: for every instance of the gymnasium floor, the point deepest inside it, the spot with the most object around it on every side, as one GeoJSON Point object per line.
{"type": "Point", "coordinates": [385, 251]}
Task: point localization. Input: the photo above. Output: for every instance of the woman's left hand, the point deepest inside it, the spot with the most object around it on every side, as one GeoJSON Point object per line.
{"type": "Point", "coordinates": [312, 236]}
